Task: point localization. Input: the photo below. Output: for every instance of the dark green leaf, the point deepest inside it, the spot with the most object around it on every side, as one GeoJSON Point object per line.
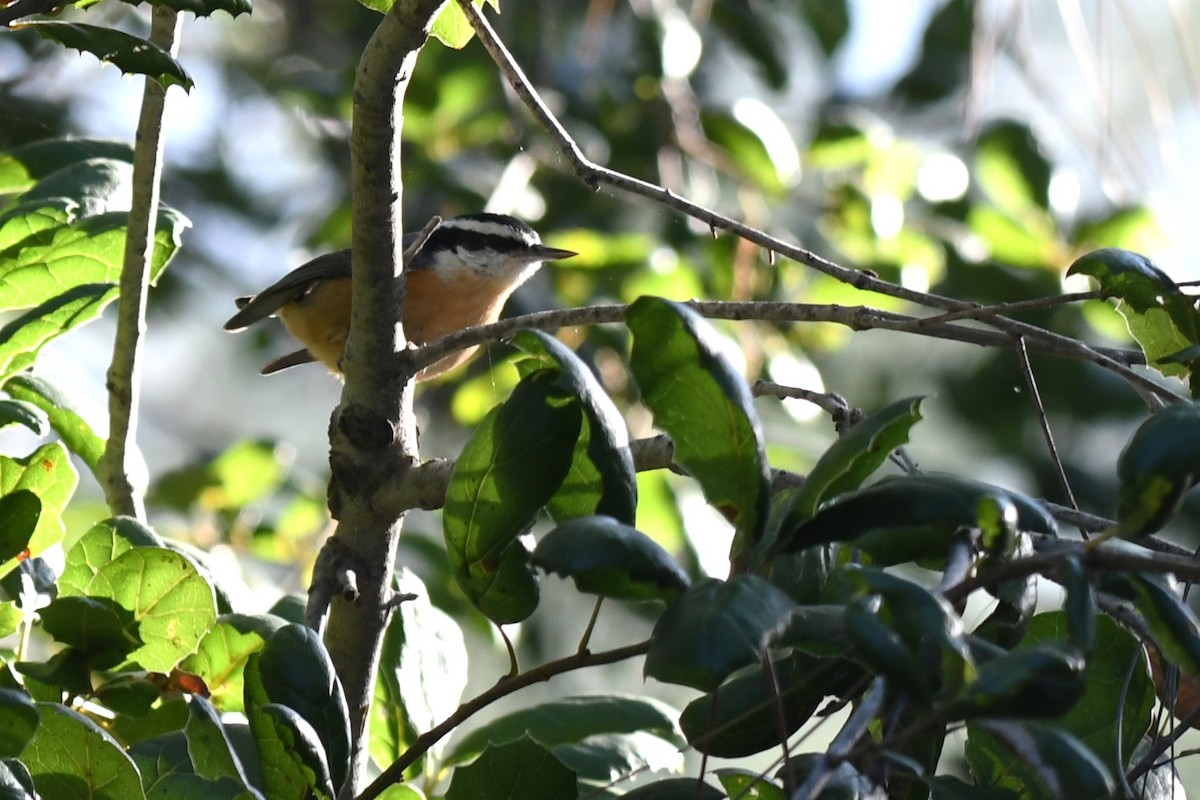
{"type": "Point", "coordinates": [1109, 708]}
{"type": "Point", "coordinates": [205, 8]}
{"type": "Point", "coordinates": [520, 770]}
{"type": "Point", "coordinates": [756, 36]}
{"type": "Point", "coordinates": [47, 473]}
{"type": "Point", "coordinates": [1127, 275]}
{"type": "Point", "coordinates": [881, 649]}
{"type": "Point", "coordinates": [18, 412]}
{"type": "Point", "coordinates": [607, 558]}
{"type": "Point", "coordinates": [212, 753]}
{"type": "Point", "coordinates": [296, 672]}
{"type": "Point", "coordinates": [1172, 624]}
{"type": "Point", "coordinates": [68, 671]}
{"type": "Point", "coordinates": [1036, 761]}
{"type": "Point", "coordinates": [59, 409]}
{"type": "Point", "coordinates": [1041, 680]}
{"type": "Point", "coordinates": [100, 629]}
{"type": "Point", "coordinates": [1157, 467]}
{"type": "Point", "coordinates": [513, 464]}
{"type": "Point", "coordinates": [18, 721]}
{"type": "Point", "coordinates": [715, 628]}
{"type": "Point", "coordinates": [675, 789]}
{"type": "Point", "coordinates": [128, 53]}
{"type": "Point", "coordinates": [913, 517]}
{"type": "Point", "coordinates": [70, 756]}
{"type": "Point", "coordinates": [706, 407]}
{"type": "Point", "coordinates": [742, 717]}
{"type": "Point", "coordinates": [88, 188]}
{"type": "Point", "coordinates": [570, 721]}
{"type": "Point", "coordinates": [602, 455]}
{"type": "Point", "coordinates": [19, 515]}
{"type": "Point", "coordinates": [829, 21]}
{"type": "Point", "coordinates": [21, 166]}
{"type": "Point", "coordinates": [858, 453]}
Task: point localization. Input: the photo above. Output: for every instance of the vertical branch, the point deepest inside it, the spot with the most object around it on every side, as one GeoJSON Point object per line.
{"type": "Point", "coordinates": [373, 435]}
{"type": "Point", "coordinates": [124, 372]}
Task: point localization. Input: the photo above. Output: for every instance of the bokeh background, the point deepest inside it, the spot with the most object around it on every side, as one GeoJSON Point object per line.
{"type": "Point", "coordinates": [970, 148]}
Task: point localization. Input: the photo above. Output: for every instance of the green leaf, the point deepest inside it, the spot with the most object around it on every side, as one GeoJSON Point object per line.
{"type": "Point", "coordinates": [1172, 625]}
{"type": "Point", "coordinates": [943, 64]}
{"type": "Point", "coordinates": [220, 660]}
{"type": "Point", "coordinates": [71, 427]}
{"type": "Point", "coordinates": [18, 412]}
{"type": "Point", "coordinates": [72, 757]}
{"type": "Point", "coordinates": [1107, 700]}
{"type": "Point", "coordinates": [172, 604]}
{"type": "Point", "coordinates": [422, 674]}
{"type": "Point", "coordinates": [706, 407]}
{"type": "Point", "coordinates": [19, 514]}
{"type": "Point", "coordinates": [25, 164]}
{"type": "Point", "coordinates": [715, 628]}
{"type": "Point", "coordinates": [1013, 169]}
{"type": "Point", "coordinates": [1130, 276]}
{"type": "Point", "coordinates": [86, 254]}
{"type": "Point", "coordinates": [675, 789]}
{"type": "Point", "coordinates": [757, 37]}
{"type": "Point", "coordinates": [27, 222]}
{"type": "Point", "coordinates": [521, 770]}
{"type": "Point", "coordinates": [743, 716]}
{"type": "Point", "coordinates": [293, 763]}
{"type": "Point", "coordinates": [129, 54]}
{"type": "Point", "coordinates": [297, 673]}
{"type": "Point", "coordinates": [858, 453]}
{"type": "Point", "coordinates": [18, 721]}
{"type": "Point", "coordinates": [450, 26]}
{"type": "Point", "coordinates": [47, 473]}
{"type": "Point", "coordinates": [88, 188]}
{"type": "Point", "coordinates": [1156, 468]}
{"type": "Point", "coordinates": [913, 517]}
{"type": "Point", "coordinates": [99, 629]}
{"type": "Point", "coordinates": [747, 784]}
{"type": "Point", "coordinates": [572, 720]}
{"type": "Point", "coordinates": [101, 544]}
{"type": "Point", "coordinates": [602, 479]}
{"type": "Point", "coordinates": [1036, 761]}
{"type": "Point", "coordinates": [512, 465]}
{"type": "Point", "coordinates": [1039, 680]}
{"type": "Point", "coordinates": [607, 558]}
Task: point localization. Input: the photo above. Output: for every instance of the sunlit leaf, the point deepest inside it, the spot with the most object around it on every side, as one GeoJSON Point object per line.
{"type": "Point", "coordinates": [71, 756]}
{"type": "Point", "coordinates": [71, 427]}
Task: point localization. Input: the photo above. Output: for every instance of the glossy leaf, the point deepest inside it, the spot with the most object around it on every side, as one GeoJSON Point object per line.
{"type": "Point", "coordinates": [858, 453]}
{"type": "Point", "coordinates": [293, 763]}
{"type": "Point", "coordinates": [91, 187]}
{"type": "Point", "coordinates": [1172, 625]}
{"type": "Point", "coordinates": [607, 558]}
{"type": "Point", "coordinates": [297, 673]}
{"type": "Point", "coordinates": [572, 720]}
{"type": "Point", "coordinates": [913, 517]}
{"type": "Point", "coordinates": [602, 478]}
{"type": "Point", "coordinates": [71, 756]}
{"type": "Point", "coordinates": [18, 721]}
{"type": "Point", "coordinates": [60, 411]}
{"type": "Point", "coordinates": [1158, 465]}
{"type": "Point", "coordinates": [129, 54]}
{"type": "Point", "coordinates": [715, 628]}
{"type": "Point", "coordinates": [743, 716]}
{"type": "Point", "coordinates": [699, 399]}
{"type": "Point", "coordinates": [1037, 681]}
{"type": "Point", "coordinates": [520, 770]}
{"type": "Point", "coordinates": [675, 789]}
{"type": "Point", "coordinates": [212, 753]}
{"type": "Point", "coordinates": [19, 514]}
{"type": "Point", "coordinates": [17, 412]}
{"type": "Point", "coordinates": [513, 464]}
{"type": "Point", "coordinates": [24, 165]}
{"type": "Point", "coordinates": [1036, 760]}
{"type": "Point", "coordinates": [100, 630]}
{"type": "Point", "coordinates": [206, 8]}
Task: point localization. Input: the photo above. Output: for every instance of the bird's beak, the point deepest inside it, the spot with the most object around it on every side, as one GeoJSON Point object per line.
{"type": "Point", "coordinates": [545, 253]}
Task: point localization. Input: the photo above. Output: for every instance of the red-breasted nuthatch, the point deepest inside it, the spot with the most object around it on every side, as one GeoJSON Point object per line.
{"type": "Point", "coordinates": [460, 278]}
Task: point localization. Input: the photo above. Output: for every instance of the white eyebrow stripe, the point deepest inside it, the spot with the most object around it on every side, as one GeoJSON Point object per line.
{"type": "Point", "coordinates": [490, 228]}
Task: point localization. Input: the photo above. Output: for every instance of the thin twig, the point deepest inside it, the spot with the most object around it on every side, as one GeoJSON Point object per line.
{"type": "Point", "coordinates": [1043, 420]}
{"type": "Point", "coordinates": [123, 494]}
{"type": "Point", "coordinates": [543, 672]}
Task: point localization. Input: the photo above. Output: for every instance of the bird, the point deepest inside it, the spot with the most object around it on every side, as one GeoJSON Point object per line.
{"type": "Point", "coordinates": [460, 277]}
